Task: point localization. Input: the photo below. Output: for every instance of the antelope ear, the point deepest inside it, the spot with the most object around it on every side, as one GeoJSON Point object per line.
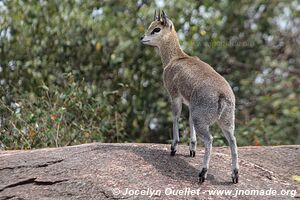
{"type": "Point", "coordinates": [165, 20]}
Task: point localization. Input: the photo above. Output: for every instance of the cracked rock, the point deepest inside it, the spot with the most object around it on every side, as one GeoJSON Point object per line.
{"type": "Point", "coordinates": [128, 171]}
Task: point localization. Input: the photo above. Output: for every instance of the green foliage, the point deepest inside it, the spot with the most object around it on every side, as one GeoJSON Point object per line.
{"type": "Point", "coordinates": [63, 116]}
{"type": "Point", "coordinates": [74, 71]}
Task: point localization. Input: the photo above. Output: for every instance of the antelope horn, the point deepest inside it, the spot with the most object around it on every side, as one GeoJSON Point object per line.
{"type": "Point", "coordinates": [155, 15]}
{"type": "Point", "coordinates": [158, 16]}
{"type": "Point", "coordinates": [164, 16]}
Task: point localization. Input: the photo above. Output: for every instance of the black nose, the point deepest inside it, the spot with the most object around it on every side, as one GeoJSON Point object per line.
{"type": "Point", "coordinates": [142, 37]}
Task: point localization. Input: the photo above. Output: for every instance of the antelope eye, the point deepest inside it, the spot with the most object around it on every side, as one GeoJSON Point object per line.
{"type": "Point", "coordinates": [156, 30]}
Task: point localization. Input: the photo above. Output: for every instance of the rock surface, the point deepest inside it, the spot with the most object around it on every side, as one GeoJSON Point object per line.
{"type": "Point", "coordinates": [108, 171]}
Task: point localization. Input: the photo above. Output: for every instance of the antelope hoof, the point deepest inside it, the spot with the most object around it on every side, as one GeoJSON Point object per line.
{"type": "Point", "coordinates": [192, 153]}
{"type": "Point", "coordinates": [173, 152]}
{"type": "Point", "coordinates": [235, 176]}
{"type": "Point", "coordinates": [201, 179]}
{"type": "Point", "coordinates": [202, 175]}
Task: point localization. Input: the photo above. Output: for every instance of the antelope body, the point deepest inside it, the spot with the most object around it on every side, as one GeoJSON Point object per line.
{"type": "Point", "coordinates": [193, 82]}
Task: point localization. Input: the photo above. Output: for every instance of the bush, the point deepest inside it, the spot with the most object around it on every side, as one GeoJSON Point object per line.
{"type": "Point", "coordinates": [74, 71]}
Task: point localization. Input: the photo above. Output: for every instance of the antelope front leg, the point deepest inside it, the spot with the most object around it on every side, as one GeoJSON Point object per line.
{"type": "Point", "coordinates": [176, 110]}
{"type": "Point", "coordinates": [193, 139]}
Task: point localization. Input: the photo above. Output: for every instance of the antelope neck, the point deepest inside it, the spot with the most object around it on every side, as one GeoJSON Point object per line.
{"type": "Point", "coordinates": [170, 49]}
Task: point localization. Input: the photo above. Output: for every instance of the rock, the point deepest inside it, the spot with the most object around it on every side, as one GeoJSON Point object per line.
{"type": "Point", "coordinates": [141, 171]}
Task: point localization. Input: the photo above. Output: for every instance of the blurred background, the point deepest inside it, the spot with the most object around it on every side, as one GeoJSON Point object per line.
{"type": "Point", "coordinates": [75, 71]}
